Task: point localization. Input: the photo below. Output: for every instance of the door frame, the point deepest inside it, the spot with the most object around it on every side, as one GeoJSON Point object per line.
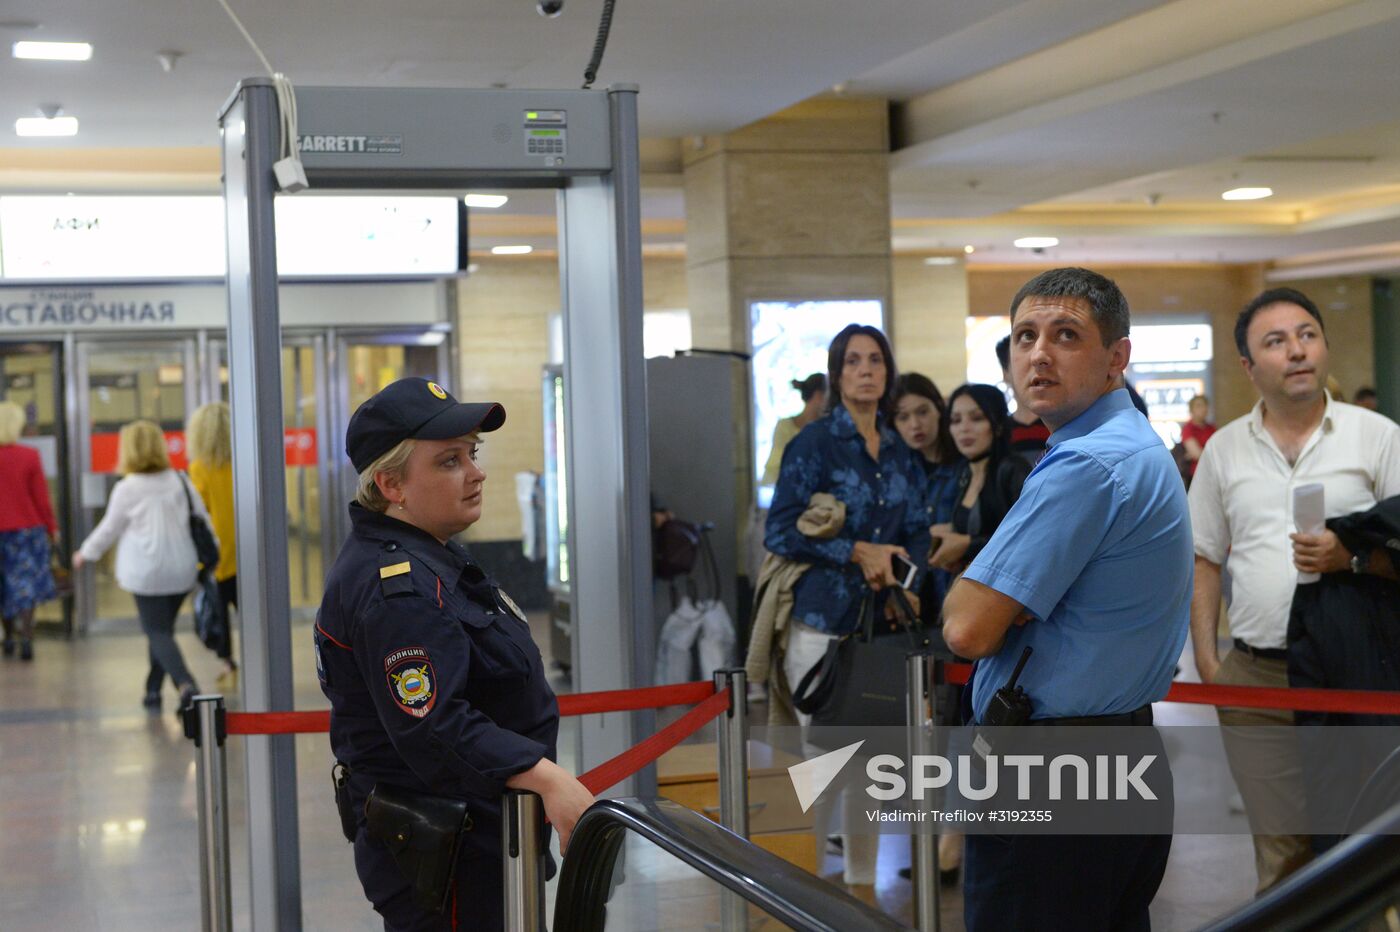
{"type": "Point", "coordinates": [79, 413]}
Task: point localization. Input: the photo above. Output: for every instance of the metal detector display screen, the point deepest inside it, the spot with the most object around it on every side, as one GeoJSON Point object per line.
{"type": "Point", "coordinates": [546, 132]}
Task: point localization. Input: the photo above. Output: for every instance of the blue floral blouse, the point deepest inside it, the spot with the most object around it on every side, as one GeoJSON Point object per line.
{"type": "Point", "coordinates": [941, 497]}
{"type": "Point", "coordinates": [885, 504]}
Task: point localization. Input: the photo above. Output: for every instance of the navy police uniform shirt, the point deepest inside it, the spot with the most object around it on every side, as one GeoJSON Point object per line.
{"type": "Point", "coordinates": [434, 682]}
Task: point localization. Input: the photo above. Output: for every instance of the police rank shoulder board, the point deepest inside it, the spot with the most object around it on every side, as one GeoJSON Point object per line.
{"type": "Point", "coordinates": [394, 574]}
{"type": "Point", "coordinates": [411, 680]}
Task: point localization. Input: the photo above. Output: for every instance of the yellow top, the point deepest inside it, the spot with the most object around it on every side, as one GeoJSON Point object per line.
{"type": "Point", "coordinates": [783, 432]}
{"type": "Point", "coordinates": [215, 485]}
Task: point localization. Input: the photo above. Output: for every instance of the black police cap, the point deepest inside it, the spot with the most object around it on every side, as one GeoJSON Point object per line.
{"type": "Point", "coordinates": [413, 408]}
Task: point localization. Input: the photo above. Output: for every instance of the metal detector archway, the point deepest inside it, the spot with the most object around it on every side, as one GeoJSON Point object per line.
{"type": "Point", "coordinates": [582, 143]}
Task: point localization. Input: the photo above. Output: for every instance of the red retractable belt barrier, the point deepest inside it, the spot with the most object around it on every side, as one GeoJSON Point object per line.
{"type": "Point", "coordinates": [622, 766]}
{"type": "Point", "coordinates": [1353, 701]}
{"type": "Point", "coordinates": [600, 778]}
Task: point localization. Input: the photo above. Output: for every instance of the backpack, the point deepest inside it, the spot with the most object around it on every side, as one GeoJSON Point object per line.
{"type": "Point", "coordinates": [675, 548]}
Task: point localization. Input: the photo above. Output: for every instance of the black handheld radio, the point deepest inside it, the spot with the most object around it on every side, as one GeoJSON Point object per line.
{"type": "Point", "coordinates": [1009, 706]}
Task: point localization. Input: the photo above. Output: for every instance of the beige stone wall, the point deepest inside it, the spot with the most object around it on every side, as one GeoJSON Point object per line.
{"type": "Point", "coordinates": [1348, 318]}
{"type": "Point", "coordinates": [503, 313]}
{"type": "Point", "coordinates": [927, 324]}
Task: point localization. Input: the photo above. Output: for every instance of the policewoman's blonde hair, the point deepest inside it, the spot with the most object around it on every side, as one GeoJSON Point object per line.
{"type": "Point", "coordinates": [395, 463]}
{"type": "Point", "coordinates": [12, 419]}
{"type": "Point", "coordinates": [209, 434]}
{"type": "Point", "coordinates": [141, 448]}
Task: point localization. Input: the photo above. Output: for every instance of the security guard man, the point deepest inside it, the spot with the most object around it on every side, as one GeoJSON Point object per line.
{"type": "Point", "coordinates": [438, 695]}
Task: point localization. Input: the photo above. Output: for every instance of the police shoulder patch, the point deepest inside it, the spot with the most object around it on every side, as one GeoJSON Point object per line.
{"type": "Point", "coordinates": [411, 680]}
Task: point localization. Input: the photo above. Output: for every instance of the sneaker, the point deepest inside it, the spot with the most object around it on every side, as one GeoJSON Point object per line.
{"type": "Point", "coordinates": [26, 650]}
{"type": "Point", "coordinates": [8, 647]}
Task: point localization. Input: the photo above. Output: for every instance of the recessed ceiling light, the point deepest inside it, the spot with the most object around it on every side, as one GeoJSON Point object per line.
{"type": "Point", "coordinates": [491, 201]}
{"type": "Point", "coordinates": [1246, 194]}
{"type": "Point", "coordinates": [512, 250]}
{"type": "Point", "coordinates": [52, 51]}
{"type": "Point", "coordinates": [46, 126]}
{"type": "Point", "coordinates": [941, 260]}
{"type": "Point", "coordinates": [1035, 242]}
{"type": "Point", "coordinates": [969, 250]}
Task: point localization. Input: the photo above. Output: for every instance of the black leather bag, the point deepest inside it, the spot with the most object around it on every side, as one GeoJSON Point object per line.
{"type": "Point", "coordinates": [206, 545]}
{"type": "Point", "coordinates": [424, 835]}
{"type": "Point", "coordinates": [210, 612]}
{"type": "Point", "coordinates": [860, 680]}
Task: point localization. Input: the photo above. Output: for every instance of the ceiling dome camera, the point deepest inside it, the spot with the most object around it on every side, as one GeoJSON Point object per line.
{"type": "Point", "coordinates": [550, 7]}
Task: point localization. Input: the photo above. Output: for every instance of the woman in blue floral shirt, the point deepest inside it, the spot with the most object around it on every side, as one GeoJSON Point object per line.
{"type": "Point", "coordinates": [921, 417]}
{"type": "Point", "coordinates": [854, 454]}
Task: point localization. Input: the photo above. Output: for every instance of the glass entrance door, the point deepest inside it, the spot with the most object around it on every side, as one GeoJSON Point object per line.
{"type": "Point", "coordinates": [31, 376]}
{"type": "Point", "coordinates": [303, 387]}
{"type": "Point", "coordinates": [363, 364]}
{"type": "Point", "coordinates": [120, 383]}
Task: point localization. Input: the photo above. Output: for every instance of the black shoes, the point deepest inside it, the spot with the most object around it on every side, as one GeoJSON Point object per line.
{"type": "Point", "coordinates": [947, 878]}
{"type": "Point", "coordinates": [151, 700]}
{"type": "Point", "coordinates": [187, 694]}
{"type": "Point", "coordinates": [26, 648]}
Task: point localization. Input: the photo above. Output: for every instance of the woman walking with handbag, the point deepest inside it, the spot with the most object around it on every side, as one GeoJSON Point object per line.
{"type": "Point", "coordinates": [854, 454]}
{"type": "Point", "coordinates": [148, 518]}
{"type": "Point", "coordinates": [211, 474]}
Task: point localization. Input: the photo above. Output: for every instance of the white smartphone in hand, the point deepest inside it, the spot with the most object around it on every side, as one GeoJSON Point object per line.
{"type": "Point", "coordinates": [1309, 517]}
{"type": "Point", "coordinates": [905, 572]}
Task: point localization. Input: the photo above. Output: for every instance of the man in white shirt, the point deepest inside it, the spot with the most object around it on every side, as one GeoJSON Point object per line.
{"type": "Point", "coordinates": [1241, 509]}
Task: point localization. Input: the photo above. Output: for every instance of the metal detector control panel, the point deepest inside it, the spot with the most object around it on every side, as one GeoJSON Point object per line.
{"type": "Point", "coordinates": [447, 135]}
{"type": "Point", "coordinates": [547, 134]}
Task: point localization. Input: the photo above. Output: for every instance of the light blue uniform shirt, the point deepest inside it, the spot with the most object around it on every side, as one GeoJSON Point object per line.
{"type": "Point", "coordinates": [1098, 548]}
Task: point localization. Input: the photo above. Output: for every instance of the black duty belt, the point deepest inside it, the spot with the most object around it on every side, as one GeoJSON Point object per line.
{"type": "Point", "coordinates": [1139, 716]}
{"type": "Point", "coordinates": [1262, 653]}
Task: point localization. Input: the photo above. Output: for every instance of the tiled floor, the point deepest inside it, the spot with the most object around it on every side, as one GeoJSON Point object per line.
{"type": "Point", "coordinates": [98, 831]}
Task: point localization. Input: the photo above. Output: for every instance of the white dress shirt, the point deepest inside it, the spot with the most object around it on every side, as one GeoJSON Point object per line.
{"type": "Point", "coordinates": [148, 518]}
{"type": "Point", "coordinates": [1242, 503]}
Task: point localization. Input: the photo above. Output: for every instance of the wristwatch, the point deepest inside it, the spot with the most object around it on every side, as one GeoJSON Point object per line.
{"type": "Point", "coordinates": [1360, 561]}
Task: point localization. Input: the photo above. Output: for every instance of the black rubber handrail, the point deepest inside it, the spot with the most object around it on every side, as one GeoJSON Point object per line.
{"type": "Point", "coordinates": [783, 890]}
{"type": "Point", "coordinates": [1349, 884]}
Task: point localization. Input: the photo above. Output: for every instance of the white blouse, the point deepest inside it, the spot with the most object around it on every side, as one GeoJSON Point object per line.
{"type": "Point", "coordinates": [148, 518]}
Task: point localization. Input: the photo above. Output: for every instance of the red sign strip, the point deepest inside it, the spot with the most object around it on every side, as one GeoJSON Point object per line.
{"type": "Point", "coordinates": [610, 773]}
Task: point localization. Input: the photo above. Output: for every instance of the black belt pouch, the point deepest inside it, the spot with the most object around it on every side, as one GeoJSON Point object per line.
{"type": "Point", "coordinates": [424, 834]}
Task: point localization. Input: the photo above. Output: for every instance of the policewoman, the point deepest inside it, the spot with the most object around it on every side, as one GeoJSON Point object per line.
{"type": "Point", "coordinates": [438, 695]}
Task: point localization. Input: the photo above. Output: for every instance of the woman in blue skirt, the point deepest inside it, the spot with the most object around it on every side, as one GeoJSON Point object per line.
{"type": "Point", "coordinates": [26, 526]}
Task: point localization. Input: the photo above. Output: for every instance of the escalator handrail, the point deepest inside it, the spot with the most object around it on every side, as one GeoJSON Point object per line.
{"type": "Point", "coordinates": [1347, 884]}
{"type": "Point", "coordinates": [783, 890]}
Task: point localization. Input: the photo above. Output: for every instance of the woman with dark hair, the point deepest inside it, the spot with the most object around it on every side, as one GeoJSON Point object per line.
{"type": "Point", "coordinates": [853, 454]}
{"type": "Point", "coordinates": [813, 392]}
{"type": "Point", "coordinates": [921, 417]}
{"type": "Point", "coordinates": [989, 480]}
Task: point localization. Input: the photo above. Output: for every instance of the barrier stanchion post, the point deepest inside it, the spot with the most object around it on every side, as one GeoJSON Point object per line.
{"type": "Point", "coordinates": [734, 752]}
{"type": "Point", "coordinates": [921, 720]}
{"type": "Point", "coordinates": [522, 829]}
{"type": "Point", "coordinates": [733, 743]}
{"type": "Point", "coordinates": [205, 723]}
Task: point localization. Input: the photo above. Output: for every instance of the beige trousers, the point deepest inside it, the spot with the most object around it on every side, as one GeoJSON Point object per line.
{"type": "Point", "coordinates": [1262, 749]}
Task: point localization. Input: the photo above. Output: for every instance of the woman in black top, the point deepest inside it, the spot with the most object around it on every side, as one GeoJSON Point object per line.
{"type": "Point", "coordinates": [990, 479]}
